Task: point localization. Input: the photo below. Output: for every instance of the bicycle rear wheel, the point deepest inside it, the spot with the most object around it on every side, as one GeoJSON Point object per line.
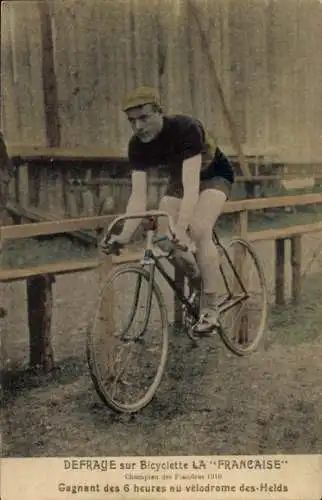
{"type": "Point", "coordinates": [127, 342]}
{"type": "Point", "coordinates": [243, 300]}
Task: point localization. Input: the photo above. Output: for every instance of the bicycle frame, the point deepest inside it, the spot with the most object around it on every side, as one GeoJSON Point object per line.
{"type": "Point", "coordinates": [152, 261]}
{"type": "Point", "coordinates": [228, 303]}
{"type": "Point", "coordinates": [151, 258]}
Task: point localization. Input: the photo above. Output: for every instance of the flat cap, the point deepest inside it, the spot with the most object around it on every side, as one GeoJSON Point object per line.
{"type": "Point", "coordinates": [141, 96]}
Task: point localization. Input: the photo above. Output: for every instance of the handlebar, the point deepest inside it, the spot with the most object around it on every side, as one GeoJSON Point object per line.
{"type": "Point", "coordinates": [140, 215]}
{"type": "Point", "coordinates": [111, 248]}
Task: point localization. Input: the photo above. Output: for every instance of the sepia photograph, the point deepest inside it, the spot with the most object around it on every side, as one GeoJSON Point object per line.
{"type": "Point", "coordinates": [161, 232]}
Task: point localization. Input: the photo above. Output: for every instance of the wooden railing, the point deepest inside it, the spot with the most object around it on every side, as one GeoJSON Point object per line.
{"type": "Point", "coordinates": [82, 182]}
{"type": "Point", "coordinates": [39, 282]}
{"type": "Point", "coordinates": [74, 182]}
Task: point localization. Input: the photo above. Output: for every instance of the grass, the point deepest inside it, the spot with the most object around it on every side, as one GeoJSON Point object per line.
{"type": "Point", "coordinates": [208, 403]}
{"type": "Point", "coordinates": [33, 251]}
{"type": "Point", "coordinates": [293, 325]}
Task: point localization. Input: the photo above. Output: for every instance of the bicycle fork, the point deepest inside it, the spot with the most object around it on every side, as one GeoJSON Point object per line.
{"type": "Point", "coordinates": [147, 261]}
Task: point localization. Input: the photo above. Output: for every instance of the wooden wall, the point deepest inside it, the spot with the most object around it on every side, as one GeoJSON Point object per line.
{"type": "Point", "coordinates": [267, 52]}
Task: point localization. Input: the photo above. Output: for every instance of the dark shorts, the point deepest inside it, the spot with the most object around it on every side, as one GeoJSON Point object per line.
{"type": "Point", "coordinates": [220, 183]}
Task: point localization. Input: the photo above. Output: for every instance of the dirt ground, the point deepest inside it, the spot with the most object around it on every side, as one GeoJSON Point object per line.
{"type": "Point", "coordinates": [208, 403]}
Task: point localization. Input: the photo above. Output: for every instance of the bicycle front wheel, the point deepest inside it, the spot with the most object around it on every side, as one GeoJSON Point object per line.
{"type": "Point", "coordinates": [244, 300]}
{"type": "Point", "coordinates": [127, 342]}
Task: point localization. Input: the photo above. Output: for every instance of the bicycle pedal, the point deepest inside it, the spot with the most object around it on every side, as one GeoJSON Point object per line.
{"type": "Point", "coordinates": [204, 328]}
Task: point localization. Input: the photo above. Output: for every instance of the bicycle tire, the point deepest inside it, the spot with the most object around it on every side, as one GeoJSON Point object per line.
{"type": "Point", "coordinates": [102, 383]}
{"type": "Point", "coordinates": [236, 345]}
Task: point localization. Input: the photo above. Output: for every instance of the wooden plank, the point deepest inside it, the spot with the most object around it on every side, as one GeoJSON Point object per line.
{"type": "Point", "coordinates": [212, 107]}
{"type": "Point", "coordinates": [105, 104]}
{"type": "Point", "coordinates": [110, 181]}
{"type": "Point", "coordinates": [217, 85]}
{"type": "Point", "coordinates": [182, 41]}
{"type": "Point", "coordinates": [39, 152]}
{"type": "Point", "coordinates": [273, 72]}
{"type": "Point", "coordinates": [40, 308]}
{"type": "Point", "coordinates": [10, 115]}
{"type": "Point", "coordinates": [296, 268]}
{"type": "Point", "coordinates": [34, 43]}
{"type": "Point", "coordinates": [195, 62]}
{"type": "Point", "coordinates": [23, 185]}
{"type": "Point", "coordinates": [256, 74]}
{"type": "Point", "coordinates": [1, 252]}
{"type": "Point", "coordinates": [43, 198]}
{"type": "Point", "coordinates": [75, 80]}
{"type": "Point", "coordinates": [284, 232]}
{"type": "Point", "coordinates": [241, 224]}
{"type": "Point", "coordinates": [280, 272]}
{"type": "Point", "coordinates": [239, 52]}
{"type": "Point", "coordinates": [85, 77]}
{"type": "Point", "coordinates": [69, 225]}
{"type": "Point", "coordinates": [75, 266]}
{"type": "Point", "coordinates": [54, 227]}
{"type": "Point", "coordinates": [272, 202]}
{"type": "Point", "coordinates": [64, 267]}
{"type": "Point", "coordinates": [62, 24]}
{"type": "Point", "coordinates": [304, 76]}
{"type": "Point", "coordinates": [226, 63]}
{"type": "Point", "coordinates": [21, 65]}
{"type": "Point", "coordinates": [37, 215]}
{"type": "Point", "coordinates": [314, 77]}
{"type": "Point", "coordinates": [172, 96]}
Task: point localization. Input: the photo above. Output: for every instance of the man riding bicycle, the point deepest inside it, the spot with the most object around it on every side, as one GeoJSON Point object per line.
{"type": "Point", "coordinates": [200, 181]}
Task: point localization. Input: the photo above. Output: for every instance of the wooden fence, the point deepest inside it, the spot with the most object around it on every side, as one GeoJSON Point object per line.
{"type": "Point", "coordinates": [57, 182]}
{"type": "Point", "coordinates": [39, 278]}
{"type": "Point", "coordinates": [68, 183]}
{"type": "Point", "coordinates": [267, 55]}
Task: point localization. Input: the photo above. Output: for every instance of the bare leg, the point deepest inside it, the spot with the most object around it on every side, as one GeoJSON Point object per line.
{"type": "Point", "coordinates": [183, 260]}
{"type": "Point", "coordinates": [207, 211]}
{"type": "Point", "coordinates": [171, 205]}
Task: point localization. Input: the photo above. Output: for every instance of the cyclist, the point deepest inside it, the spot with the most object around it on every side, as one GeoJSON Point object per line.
{"type": "Point", "coordinates": [200, 181]}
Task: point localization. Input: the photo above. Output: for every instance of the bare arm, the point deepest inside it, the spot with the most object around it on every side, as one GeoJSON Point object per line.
{"type": "Point", "coordinates": [137, 203]}
{"type": "Point", "coordinates": [191, 183]}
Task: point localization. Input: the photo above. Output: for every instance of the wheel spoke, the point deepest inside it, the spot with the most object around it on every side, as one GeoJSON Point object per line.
{"type": "Point", "coordinates": [243, 323]}
{"type": "Point", "coordinates": [120, 373]}
{"type": "Point", "coordinates": [127, 359]}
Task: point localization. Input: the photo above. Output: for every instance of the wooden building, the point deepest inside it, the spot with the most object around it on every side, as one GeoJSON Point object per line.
{"type": "Point", "coordinates": [268, 55]}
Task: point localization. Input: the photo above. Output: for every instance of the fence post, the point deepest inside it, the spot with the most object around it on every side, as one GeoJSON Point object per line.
{"type": "Point", "coordinates": [22, 192]}
{"type": "Point", "coordinates": [241, 224]}
{"type": "Point", "coordinates": [280, 271]}
{"type": "Point", "coordinates": [40, 305]}
{"type": "Point", "coordinates": [250, 187]}
{"type": "Point", "coordinates": [3, 313]}
{"type": "Point", "coordinates": [296, 268]}
{"type": "Point", "coordinates": [2, 310]}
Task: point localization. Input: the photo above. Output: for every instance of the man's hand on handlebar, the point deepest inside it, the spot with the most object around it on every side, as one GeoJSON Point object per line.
{"type": "Point", "coordinates": [183, 240]}
{"type": "Point", "coordinates": [178, 238]}
{"type": "Point", "coordinates": [111, 245]}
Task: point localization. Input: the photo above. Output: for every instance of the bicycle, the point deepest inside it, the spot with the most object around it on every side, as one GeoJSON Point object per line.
{"type": "Point", "coordinates": [127, 349]}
